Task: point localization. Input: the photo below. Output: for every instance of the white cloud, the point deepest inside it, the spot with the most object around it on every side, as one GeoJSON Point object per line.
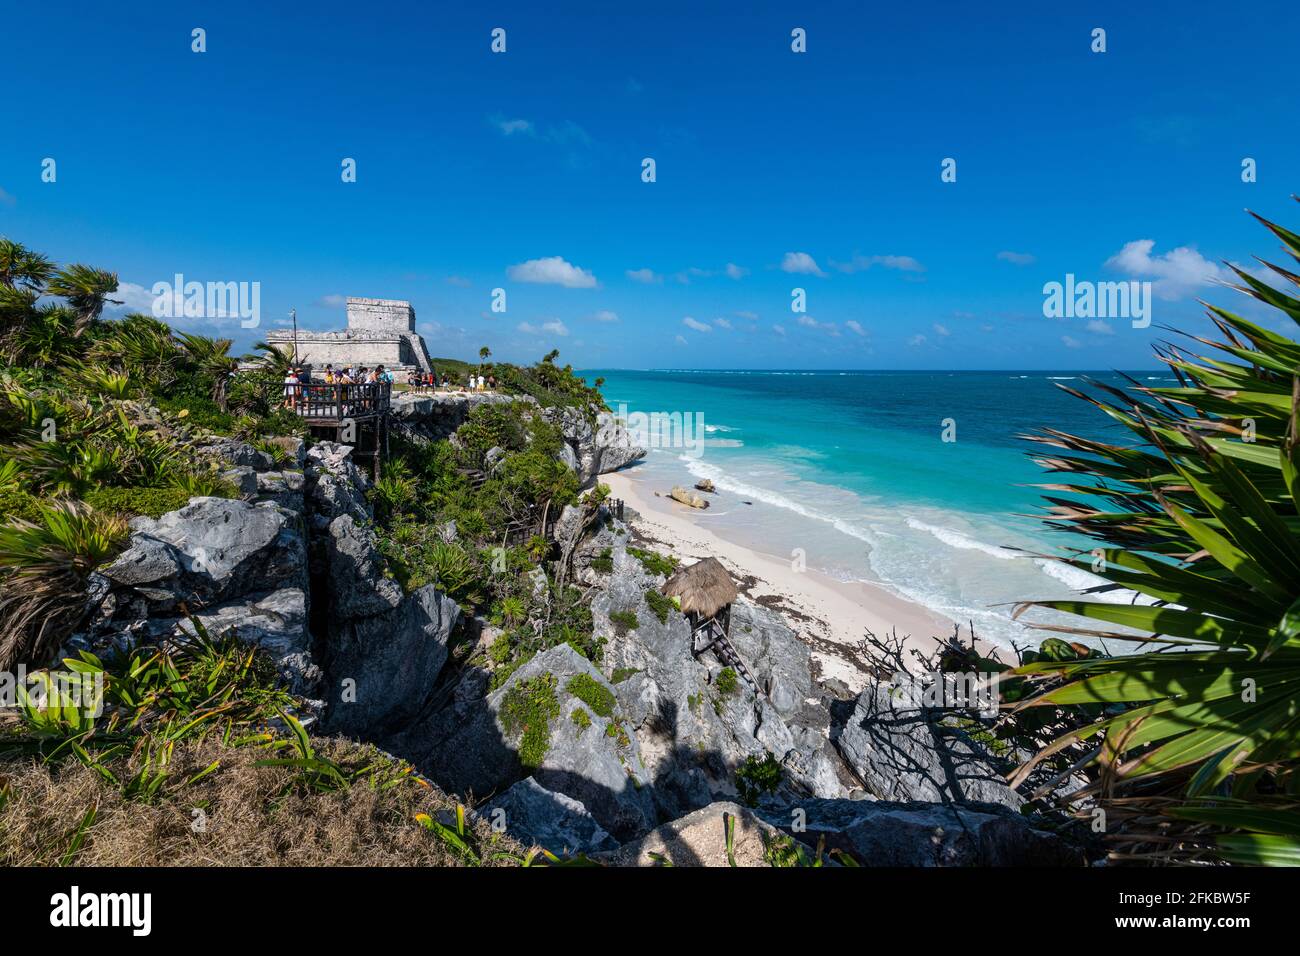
{"type": "Point", "coordinates": [643, 275]}
{"type": "Point", "coordinates": [680, 340]}
{"type": "Point", "coordinates": [722, 323]}
{"type": "Point", "coordinates": [332, 301]}
{"type": "Point", "coordinates": [554, 327]}
{"type": "Point", "coordinates": [861, 263]}
{"type": "Point", "coordinates": [698, 326]}
{"type": "Point", "coordinates": [134, 298]}
{"type": "Point", "coordinates": [1016, 258]}
{"type": "Point", "coordinates": [855, 327]}
{"type": "Point", "coordinates": [1177, 273]}
{"type": "Point", "coordinates": [749, 316]}
{"type": "Point", "coordinates": [736, 272]}
{"type": "Point", "coordinates": [552, 270]}
{"type": "Point", "coordinates": [802, 263]}
{"type": "Point", "coordinates": [1070, 341]}
{"type": "Point", "coordinates": [605, 315]}
{"type": "Point", "coordinates": [459, 282]}
{"type": "Point", "coordinates": [916, 340]}
{"type": "Point", "coordinates": [779, 329]}
{"type": "Point", "coordinates": [1100, 327]}
{"type": "Point", "coordinates": [941, 330]}
{"type": "Point", "coordinates": [511, 126]}
{"type": "Point", "coordinates": [807, 321]}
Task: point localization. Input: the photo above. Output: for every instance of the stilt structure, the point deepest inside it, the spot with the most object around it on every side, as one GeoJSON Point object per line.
{"type": "Point", "coordinates": [355, 415]}
{"type": "Point", "coordinates": [705, 593]}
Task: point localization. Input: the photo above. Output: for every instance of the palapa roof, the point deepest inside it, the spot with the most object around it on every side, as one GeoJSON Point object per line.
{"type": "Point", "coordinates": [704, 588]}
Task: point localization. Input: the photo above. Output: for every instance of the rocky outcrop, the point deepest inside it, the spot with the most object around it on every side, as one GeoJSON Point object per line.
{"type": "Point", "coordinates": [469, 747]}
{"type": "Point", "coordinates": [694, 735]}
{"type": "Point", "coordinates": [435, 417]}
{"type": "Point", "coordinates": [534, 815]}
{"type": "Point", "coordinates": [924, 834]}
{"type": "Point", "coordinates": [908, 754]}
{"type": "Point", "coordinates": [700, 839]}
{"type": "Point", "coordinates": [594, 445]}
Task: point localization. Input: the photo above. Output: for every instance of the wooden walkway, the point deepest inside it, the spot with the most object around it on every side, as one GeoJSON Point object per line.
{"type": "Point", "coordinates": [355, 415]}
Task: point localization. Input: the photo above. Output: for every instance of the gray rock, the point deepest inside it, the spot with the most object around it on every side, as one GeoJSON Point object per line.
{"type": "Point", "coordinates": [382, 668]}
{"type": "Point", "coordinates": [594, 447]}
{"type": "Point", "coordinates": [276, 623]}
{"type": "Point", "coordinates": [536, 816]}
{"type": "Point", "coordinates": [700, 839]}
{"type": "Point", "coordinates": [903, 754]}
{"type": "Point", "coordinates": [232, 451]}
{"type": "Point", "coordinates": [244, 478]}
{"type": "Point", "coordinates": [357, 585]}
{"type": "Point", "coordinates": [466, 748]}
{"type": "Point", "coordinates": [925, 834]}
{"type": "Point", "coordinates": [211, 551]}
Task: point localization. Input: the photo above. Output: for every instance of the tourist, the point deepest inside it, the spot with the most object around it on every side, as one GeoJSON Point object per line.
{"type": "Point", "coordinates": [492, 383]}
{"type": "Point", "coordinates": [291, 381]}
{"type": "Point", "coordinates": [480, 383]}
{"type": "Point", "coordinates": [383, 376]}
{"type": "Point", "coordinates": [329, 375]}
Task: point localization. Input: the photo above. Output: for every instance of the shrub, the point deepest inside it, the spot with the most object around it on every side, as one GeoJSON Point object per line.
{"type": "Point", "coordinates": [592, 693]}
{"type": "Point", "coordinates": [129, 502]}
{"type": "Point", "coordinates": [654, 562]}
{"type": "Point", "coordinates": [526, 713]}
{"type": "Point", "coordinates": [623, 673]}
{"type": "Point", "coordinates": [661, 606]}
{"type": "Point", "coordinates": [623, 621]}
{"type": "Point", "coordinates": [727, 681]}
{"type": "Point", "coordinates": [580, 718]}
{"type": "Point", "coordinates": [603, 563]}
{"type": "Point", "coordinates": [756, 777]}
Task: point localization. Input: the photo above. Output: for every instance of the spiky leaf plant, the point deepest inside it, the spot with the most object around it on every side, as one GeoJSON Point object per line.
{"type": "Point", "coordinates": [1198, 739]}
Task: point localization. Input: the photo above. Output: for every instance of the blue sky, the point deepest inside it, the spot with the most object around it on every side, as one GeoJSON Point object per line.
{"type": "Point", "coordinates": [478, 170]}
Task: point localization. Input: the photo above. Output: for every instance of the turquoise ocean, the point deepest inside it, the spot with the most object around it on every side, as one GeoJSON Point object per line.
{"type": "Point", "coordinates": [851, 467]}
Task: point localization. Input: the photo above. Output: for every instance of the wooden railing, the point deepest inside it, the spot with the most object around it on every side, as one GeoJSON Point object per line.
{"type": "Point", "coordinates": [336, 402]}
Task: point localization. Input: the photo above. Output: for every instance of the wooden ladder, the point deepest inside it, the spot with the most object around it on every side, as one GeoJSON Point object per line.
{"type": "Point", "coordinates": [723, 649]}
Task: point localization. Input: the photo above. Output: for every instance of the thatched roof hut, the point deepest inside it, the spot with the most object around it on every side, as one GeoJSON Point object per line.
{"type": "Point", "coordinates": [704, 588]}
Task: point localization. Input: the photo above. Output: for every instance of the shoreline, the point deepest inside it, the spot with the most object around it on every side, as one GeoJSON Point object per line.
{"type": "Point", "coordinates": [829, 615]}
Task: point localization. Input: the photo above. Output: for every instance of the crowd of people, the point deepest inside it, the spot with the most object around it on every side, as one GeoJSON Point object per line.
{"type": "Point", "coordinates": [429, 381]}
{"type": "Point", "coordinates": [297, 382]}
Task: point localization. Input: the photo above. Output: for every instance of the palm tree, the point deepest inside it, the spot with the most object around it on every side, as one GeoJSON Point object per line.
{"type": "Point", "coordinates": [276, 361]}
{"type": "Point", "coordinates": [86, 289]}
{"type": "Point", "coordinates": [212, 360]}
{"type": "Point", "coordinates": [19, 266]}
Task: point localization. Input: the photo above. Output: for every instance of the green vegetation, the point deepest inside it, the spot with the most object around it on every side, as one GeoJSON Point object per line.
{"type": "Point", "coordinates": [756, 777]}
{"type": "Point", "coordinates": [580, 718]}
{"type": "Point", "coordinates": [592, 693]}
{"type": "Point", "coordinates": [1194, 753]}
{"type": "Point", "coordinates": [660, 605]}
{"type": "Point", "coordinates": [727, 681]}
{"type": "Point", "coordinates": [654, 562]}
{"type": "Point", "coordinates": [526, 713]}
{"type": "Point", "coordinates": [623, 673]}
{"type": "Point", "coordinates": [603, 563]}
{"type": "Point", "coordinates": [129, 502]}
{"type": "Point", "coordinates": [623, 621]}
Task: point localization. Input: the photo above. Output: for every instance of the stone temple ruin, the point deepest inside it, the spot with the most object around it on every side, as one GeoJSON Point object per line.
{"type": "Point", "coordinates": [379, 332]}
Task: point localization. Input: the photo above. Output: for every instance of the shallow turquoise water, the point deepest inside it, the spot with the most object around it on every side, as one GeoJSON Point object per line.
{"type": "Point", "coordinates": [853, 468]}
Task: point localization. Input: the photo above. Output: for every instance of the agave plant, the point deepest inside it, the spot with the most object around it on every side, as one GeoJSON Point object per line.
{"type": "Point", "coordinates": [1199, 514]}
{"type": "Point", "coordinates": [44, 568]}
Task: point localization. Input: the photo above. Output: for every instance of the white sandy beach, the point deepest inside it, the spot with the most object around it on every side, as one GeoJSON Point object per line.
{"type": "Point", "coordinates": [831, 616]}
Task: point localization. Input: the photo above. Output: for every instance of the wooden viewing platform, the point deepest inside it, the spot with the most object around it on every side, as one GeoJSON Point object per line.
{"type": "Point", "coordinates": [355, 415]}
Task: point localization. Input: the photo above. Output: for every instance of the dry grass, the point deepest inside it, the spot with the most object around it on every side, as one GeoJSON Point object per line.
{"type": "Point", "coordinates": [249, 817]}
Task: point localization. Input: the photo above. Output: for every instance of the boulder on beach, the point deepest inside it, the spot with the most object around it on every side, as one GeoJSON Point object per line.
{"type": "Point", "coordinates": [705, 484]}
{"type": "Point", "coordinates": [688, 497]}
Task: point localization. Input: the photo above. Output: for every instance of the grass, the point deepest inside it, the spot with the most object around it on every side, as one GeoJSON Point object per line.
{"type": "Point", "coordinates": [623, 621]}
{"type": "Point", "coordinates": [241, 814]}
{"type": "Point", "coordinates": [727, 681]}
